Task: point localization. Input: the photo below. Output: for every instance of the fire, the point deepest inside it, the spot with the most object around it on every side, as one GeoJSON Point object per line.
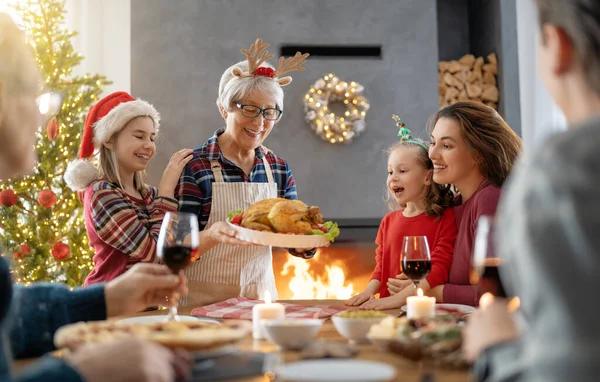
{"type": "Point", "coordinates": [304, 286]}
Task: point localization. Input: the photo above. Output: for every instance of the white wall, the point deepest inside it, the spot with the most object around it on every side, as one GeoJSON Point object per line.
{"type": "Point", "coordinates": [540, 116]}
{"type": "Point", "coordinates": [104, 39]}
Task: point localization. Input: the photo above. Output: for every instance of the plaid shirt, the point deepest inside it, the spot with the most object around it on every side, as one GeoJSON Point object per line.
{"type": "Point", "coordinates": [123, 230]}
{"type": "Point", "coordinates": [195, 185]}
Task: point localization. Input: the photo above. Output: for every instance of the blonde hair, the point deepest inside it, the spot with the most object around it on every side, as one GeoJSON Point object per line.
{"type": "Point", "coordinates": [233, 89]}
{"type": "Point", "coordinates": [438, 197]}
{"type": "Point", "coordinates": [108, 166]}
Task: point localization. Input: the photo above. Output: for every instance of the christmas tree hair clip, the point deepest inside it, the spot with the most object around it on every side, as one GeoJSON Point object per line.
{"type": "Point", "coordinates": [258, 54]}
{"type": "Point", "coordinates": [405, 134]}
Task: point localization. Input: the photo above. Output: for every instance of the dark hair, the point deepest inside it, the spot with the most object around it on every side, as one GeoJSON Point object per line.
{"type": "Point", "coordinates": [493, 143]}
{"type": "Point", "coordinates": [580, 20]}
{"type": "Point", "coordinates": [439, 196]}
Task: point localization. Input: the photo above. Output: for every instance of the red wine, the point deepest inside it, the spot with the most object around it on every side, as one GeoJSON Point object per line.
{"type": "Point", "coordinates": [488, 277]}
{"type": "Point", "coordinates": [178, 257]}
{"type": "Point", "coordinates": [416, 269]}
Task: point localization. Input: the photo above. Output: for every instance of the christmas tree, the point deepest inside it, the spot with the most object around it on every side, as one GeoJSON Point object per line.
{"type": "Point", "coordinates": [42, 229]}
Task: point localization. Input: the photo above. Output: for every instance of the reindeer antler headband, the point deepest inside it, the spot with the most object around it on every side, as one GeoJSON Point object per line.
{"type": "Point", "coordinates": [257, 54]}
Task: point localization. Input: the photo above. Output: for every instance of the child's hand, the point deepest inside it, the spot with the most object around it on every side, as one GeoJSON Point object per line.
{"type": "Point", "coordinates": [171, 175]}
{"type": "Point", "coordinates": [396, 285]}
{"type": "Point", "coordinates": [382, 304]}
{"type": "Point", "coordinates": [359, 299]}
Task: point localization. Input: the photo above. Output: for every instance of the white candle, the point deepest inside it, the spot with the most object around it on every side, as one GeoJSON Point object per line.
{"type": "Point", "coordinates": [265, 311]}
{"type": "Point", "coordinates": [420, 306]}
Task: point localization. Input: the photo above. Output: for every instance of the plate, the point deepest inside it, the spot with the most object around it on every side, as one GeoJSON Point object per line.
{"type": "Point", "coordinates": [330, 370]}
{"type": "Point", "coordinates": [279, 239]}
{"type": "Point", "coordinates": [450, 308]}
{"type": "Point", "coordinates": [158, 318]}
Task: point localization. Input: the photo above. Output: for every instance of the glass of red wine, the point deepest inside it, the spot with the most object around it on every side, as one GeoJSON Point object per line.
{"type": "Point", "coordinates": [415, 258]}
{"type": "Point", "coordinates": [485, 266]}
{"type": "Point", "coordinates": [177, 247]}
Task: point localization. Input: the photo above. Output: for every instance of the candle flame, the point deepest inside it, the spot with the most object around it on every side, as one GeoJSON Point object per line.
{"type": "Point", "coordinates": [267, 297]}
{"type": "Point", "coordinates": [486, 299]}
{"type": "Point", "coordinates": [514, 304]}
{"type": "Point", "coordinates": [420, 292]}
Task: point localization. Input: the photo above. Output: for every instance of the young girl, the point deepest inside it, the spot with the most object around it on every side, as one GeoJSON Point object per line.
{"type": "Point", "coordinates": [423, 212]}
{"type": "Point", "coordinates": [122, 214]}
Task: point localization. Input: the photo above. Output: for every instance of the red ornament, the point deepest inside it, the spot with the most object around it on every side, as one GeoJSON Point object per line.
{"type": "Point", "coordinates": [8, 198]}
{"type": "Point", "coordinates": [52, 129]}
{"type": "Point", "coordinates": [264, 71]}
{"type": "Point", "coordinates": [47, 198]}
{"type": "Point", "coordinates": [25, 250]}
{"type": "Point", "coordinates": [17, 255]}
{"type": "Point", "coordinates": [60, 251]}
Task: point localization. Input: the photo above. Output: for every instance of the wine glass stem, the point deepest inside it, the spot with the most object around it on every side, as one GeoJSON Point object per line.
{"type": "Point", "coordinates": [416, 284]}
{"type": "Point", "coordinates": [173, 308]}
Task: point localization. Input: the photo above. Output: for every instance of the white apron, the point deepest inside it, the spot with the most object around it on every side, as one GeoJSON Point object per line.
{"type": "Point", "coordinates": [227, 271]}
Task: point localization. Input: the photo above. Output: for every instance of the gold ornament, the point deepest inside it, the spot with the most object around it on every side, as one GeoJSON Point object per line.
{"type": "Point", "coordinates": [325, 123]}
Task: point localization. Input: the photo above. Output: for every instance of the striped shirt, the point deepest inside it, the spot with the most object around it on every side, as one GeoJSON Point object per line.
{"type": "Point", "coordinates": [122, 229]}
{"type": "Point", "coordinates": [195, 185]}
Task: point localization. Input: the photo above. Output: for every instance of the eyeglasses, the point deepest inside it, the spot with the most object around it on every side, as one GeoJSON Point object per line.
{"type": "Point", "coordinates": [49, 104]}
{"type": "Point", "coordinates": [251, 111]}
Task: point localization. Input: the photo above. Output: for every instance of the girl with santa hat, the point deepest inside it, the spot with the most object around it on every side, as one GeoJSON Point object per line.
{"type": "Point", "coordinates": [122, 214]}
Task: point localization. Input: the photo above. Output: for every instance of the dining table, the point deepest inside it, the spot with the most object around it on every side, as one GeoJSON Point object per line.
{"type": "Point", "coordinates": [406, 370]}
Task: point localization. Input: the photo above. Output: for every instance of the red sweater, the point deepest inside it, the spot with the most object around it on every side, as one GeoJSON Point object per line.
{"type": "Point", "coordinates": [459, 290]}
{"type": "Point", "coordinates": [441, 234]}
{"type": "Point", "coordinates": [122, 229]}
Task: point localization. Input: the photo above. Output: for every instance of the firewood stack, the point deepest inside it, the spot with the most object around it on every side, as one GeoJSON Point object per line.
{"type": "Point", "coordinates": [469, 78]}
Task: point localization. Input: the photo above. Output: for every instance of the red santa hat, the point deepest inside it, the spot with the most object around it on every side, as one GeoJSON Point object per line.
{"type": "Point", "coordinates": [106, 118]}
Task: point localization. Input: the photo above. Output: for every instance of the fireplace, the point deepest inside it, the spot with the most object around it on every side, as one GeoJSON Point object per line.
{"type": "Point", "coordinates": [336, 272]}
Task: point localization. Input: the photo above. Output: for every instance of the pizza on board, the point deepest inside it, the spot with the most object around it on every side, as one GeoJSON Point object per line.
{"type": "Point", "coordinates": [190, 335]}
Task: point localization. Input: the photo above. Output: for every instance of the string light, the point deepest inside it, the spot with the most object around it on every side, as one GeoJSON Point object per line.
{"type": "Point", "coordinates": [326, 124]}
{"type": "Point", "coordinates": [29, 223]}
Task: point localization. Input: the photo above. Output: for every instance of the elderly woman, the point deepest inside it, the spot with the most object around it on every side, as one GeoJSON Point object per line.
{"type": "Point", "coordinates": [29, 316]}
{"type": "Point", "coordinates": [232, 170]}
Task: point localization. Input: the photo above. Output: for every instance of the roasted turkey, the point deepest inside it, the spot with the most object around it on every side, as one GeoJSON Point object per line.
{"type": "Point", "coordinates": [282, 216]}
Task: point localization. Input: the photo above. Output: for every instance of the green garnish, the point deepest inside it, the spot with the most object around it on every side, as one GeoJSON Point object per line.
{"type": "Point", "coordinates": [231, 214]}
{"type": "Point", "coordinates": [332, 231]}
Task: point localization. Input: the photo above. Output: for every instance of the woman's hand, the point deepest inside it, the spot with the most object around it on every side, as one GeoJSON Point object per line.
{"type": "Point", "coordinates": [396, 285]}
{"type": "Point", "coordinates": [303, 253]}
{"type": "Point", "coordinates": [221, 232]}
{"type": "Point", "coordinates": [382, 303]}
{"type": "Point", "coordinates": [142, 286]}
{"type": "Point", "coordinates": [172, 173]}
{"type": "Point", "coordinates": [359, 299]}
{"type": "Point", "coordinates": [130, 359]}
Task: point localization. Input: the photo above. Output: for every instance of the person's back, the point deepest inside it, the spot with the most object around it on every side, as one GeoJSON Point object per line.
{"type": "Point", "coordinates": [552, 213]}
{"type": "Point", "coordinates": [549, 215]}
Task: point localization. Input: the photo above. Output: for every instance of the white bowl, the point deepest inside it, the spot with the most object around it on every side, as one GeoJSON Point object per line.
{"type": "Point", "coordinates": [291, 333]}
{"type": "Point", "coordinates": [354, 329]}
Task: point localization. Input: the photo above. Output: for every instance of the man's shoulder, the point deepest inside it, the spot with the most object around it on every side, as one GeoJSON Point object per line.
{"type": "Point", "coordinates": [578, 142]}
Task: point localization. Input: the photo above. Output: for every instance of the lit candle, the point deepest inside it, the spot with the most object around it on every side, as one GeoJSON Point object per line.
{"type": "Point", "coordinates": [265, 311]}
{"type": "Point", "coordinates": [420, 306]}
